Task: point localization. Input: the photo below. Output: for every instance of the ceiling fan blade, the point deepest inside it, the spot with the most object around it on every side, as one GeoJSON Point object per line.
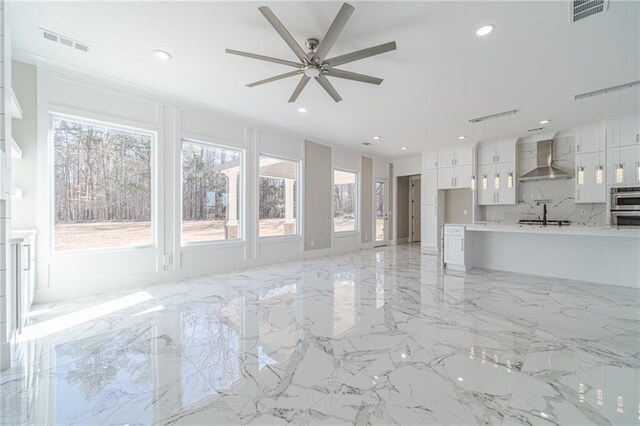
{"type": "Point", "coordinates": [263, 58]}
{"type": "Point", "coordinates": [348, 75]}
{"type": "Point", "coordinates": [277, 77]}
{"type": "Point", "coordinates": [361, 54]}
{"type": "Point", "coordinates": [328, 87]}
{"type": "Point", "coordinates": [277, 25]}
{"type": "Point", "coordinates": [333, 32]}
{"type": "Point", "coordinates": [303, 82]}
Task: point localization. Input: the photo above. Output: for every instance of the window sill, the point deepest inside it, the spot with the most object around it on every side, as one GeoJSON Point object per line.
{"type": "Point", "coordinates": [344, 234]}
{"type": "Point", "coordinates": [204, 245]}
{"type": "Point", "coordinates": [279, 239]}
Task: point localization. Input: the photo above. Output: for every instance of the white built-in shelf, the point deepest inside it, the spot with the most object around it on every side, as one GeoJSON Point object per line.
{"type": "Point", "coordinates": [15, 111]}
{"type": "Point", "coordinates": [16, 151]}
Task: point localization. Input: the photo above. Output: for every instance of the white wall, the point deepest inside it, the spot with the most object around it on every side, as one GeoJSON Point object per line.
{"type": "Point", "coordinates": [171, 119]}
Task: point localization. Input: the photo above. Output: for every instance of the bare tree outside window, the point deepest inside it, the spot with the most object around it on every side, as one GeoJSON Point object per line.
{"type": "Point", "coordinates": [344, 201]}
{"type": "Point", "coordinates": [102, 186]}
{"type": "Point", "coordinates": [210, 193]}
{"type": "Point", "coordinates": [278, 186]}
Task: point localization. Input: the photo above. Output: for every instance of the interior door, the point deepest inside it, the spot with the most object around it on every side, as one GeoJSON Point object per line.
{"type": "Point", "coordinates": [381, 213]}
{"type": "Point", "coordinates": [414, 195]}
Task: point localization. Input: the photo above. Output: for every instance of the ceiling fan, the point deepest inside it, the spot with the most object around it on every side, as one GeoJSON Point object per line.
{"type": "Point", "coordinates": [315, 64]}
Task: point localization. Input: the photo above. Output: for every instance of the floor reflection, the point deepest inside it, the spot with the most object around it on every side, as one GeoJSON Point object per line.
{"type": "Point", "coordinates": [378, 336]}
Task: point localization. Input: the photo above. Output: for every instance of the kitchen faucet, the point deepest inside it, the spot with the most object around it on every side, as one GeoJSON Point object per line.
{"type": "Point", "coordinates": [544, 215]}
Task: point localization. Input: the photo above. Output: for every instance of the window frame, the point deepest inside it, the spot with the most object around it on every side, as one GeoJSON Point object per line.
{"type": "Point", "coordinates": [298, 199]}
{"type": "Point", "coordinates": [356, 204]}
{"type": "Point", "coordinates": [112, 123]}
{"type": "Point", "coordinates": [241, 196]}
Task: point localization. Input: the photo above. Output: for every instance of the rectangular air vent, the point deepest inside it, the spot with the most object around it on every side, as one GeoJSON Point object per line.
{"type": "Point", "coordinates": [580, 9]}
{"type": "Point", "coordinates": [66, 41]}
{"type": "Point", "coordinates": [49, 36]}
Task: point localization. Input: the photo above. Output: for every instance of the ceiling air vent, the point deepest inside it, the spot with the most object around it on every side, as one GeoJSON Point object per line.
{"type": "Point", "coordinates": [49, 36]}
{"type": "Point", "coordinates": [66, 41]}
{"type": "Point", "coordinates": [580, 9]}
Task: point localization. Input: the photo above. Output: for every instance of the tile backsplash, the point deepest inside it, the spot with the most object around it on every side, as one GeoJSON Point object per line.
{"type": "Point", "coordinates": [560, 192]}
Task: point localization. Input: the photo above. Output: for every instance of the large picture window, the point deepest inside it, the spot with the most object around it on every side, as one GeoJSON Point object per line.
{"type": "Point", "coordinates": [210, 193]}
{"type": "Point", "coordinates": [345, 200]}
{"type": "Point", "coordinates": [102, 186]}
{"type": "Point", "coordinates": [278, 189]}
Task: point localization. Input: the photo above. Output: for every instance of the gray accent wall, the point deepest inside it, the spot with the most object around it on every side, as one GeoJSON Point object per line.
{"type": "Point", "coordinates": [457, 201]}
{"type": "Point", "coordinates": [366, 209]}
{"type": "Point", "coordinates": [318, 226]}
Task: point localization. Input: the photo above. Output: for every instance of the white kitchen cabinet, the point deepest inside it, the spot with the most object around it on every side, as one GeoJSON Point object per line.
{"type": "Point", "coordinates": [463, 156]}
{"type": "Point", "coordinates": [429, 237]}
{"type": "Point", "coordinates": [629, 157]}
{"type": "Point", "coordinates": [454, 177]}
{"type": "Point", "coordinates": [486, 154]}
{"type": "Point", "coordinates": [462, 176]}
{"type": "Point", "coordinates": [429, 160]}
{"type": "Point", "coordinates": [429, 186]}
{"type": "Point", "coordinates": [446, 176]}
{"type": "Point", "coordinates": [455, 247]}
{"type": "Point", "coordinates": [589, 141]}
{"type": "Point", "coordinates": [505, 152]}
{"type": "Point", "coordinates": [446, 158]}
{"type": "Point", "coordinates": [626, 133]}
{"type": "Point", "coordinates": [497, 152]}
{"type": "Point", "coordinates": [587, 188]}
{"type": "Point", "coordinates": [497, 175]}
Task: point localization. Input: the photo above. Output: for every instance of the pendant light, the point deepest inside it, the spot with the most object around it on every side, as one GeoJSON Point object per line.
{"type": "Point", "coordinates": [510, 174]}
{"type": "Point", "coordinates": [580, 175]}
{"type": "Point", "coordinates": [600, 174]}
{"type": "Point", "coordinates": [484, 181]}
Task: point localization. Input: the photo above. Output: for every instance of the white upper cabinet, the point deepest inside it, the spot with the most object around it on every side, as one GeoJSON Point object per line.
{"type": "Point", "coordinates": [486, 154]}
{"type": "Point", "coordinates": [589, 141]}
{"type": "Point", "coordinates": [446, 177]}
{"type": "Point", "coordinates": [462, 178]}
{"type": "Point", "coordinates": [626, 133]}
{"type": "Point", "coordinates": [463, 156]}
{"type": "Point", "coordinates": [446, 158]}
{"type": "Point", "coordinates": [497, 152]}
{"type": "Point", "coordinates": [505, 152]}
{"type": "Point", "coordinates": [429, 160]}
{"type": "Point", "coordinates": [589, 189]}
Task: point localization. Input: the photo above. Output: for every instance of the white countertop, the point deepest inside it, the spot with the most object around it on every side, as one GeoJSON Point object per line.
{"type": "Point", "coordinates": [573, 229]}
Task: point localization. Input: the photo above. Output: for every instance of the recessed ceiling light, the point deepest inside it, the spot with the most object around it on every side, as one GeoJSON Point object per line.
{"type": "Point", "coordinates": [162, 55]}
{"type": "Point", "coordinates": [404, 148]}
{"type": "Point", "coordinates": [376, 138]}
{"type": "Point", "coordinates": [461, 379]}
{"type": "Point", "coordinates": [483, 31]}
{"type": "Point", "coordinates": [302, 110]}
{"type": "Point", "coordinates": [462, 137]}
{"type": "Point", "coordinates": [545, 121]}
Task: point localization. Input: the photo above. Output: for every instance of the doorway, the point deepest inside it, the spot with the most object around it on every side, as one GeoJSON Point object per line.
{"type": "Point", "coordinates": [381, 213]}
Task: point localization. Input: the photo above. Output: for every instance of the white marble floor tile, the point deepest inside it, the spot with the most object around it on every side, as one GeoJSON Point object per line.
{"type": "Point", "coordinates": [378, 336]}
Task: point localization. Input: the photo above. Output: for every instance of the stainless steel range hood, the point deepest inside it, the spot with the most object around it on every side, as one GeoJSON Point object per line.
{"type": "Point", "coordinates": [545, 169]}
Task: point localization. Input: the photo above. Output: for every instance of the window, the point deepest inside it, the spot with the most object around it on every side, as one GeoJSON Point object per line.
{"type": "Point", "coordinates": [278, 197]}
{"type": "Point", "coordinates": [345, 201]}
{"type": "Point", "coordinates": [102, 186]}
{"type": "Point", "coordinates": [210, 193]}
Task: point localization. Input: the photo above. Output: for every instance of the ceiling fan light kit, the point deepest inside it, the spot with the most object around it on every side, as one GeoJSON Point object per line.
{"type": "Point", "coordinates": [315, 63]}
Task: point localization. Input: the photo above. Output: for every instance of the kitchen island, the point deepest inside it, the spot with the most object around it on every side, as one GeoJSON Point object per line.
{"type": "Point", "coordinates": [594, 253]}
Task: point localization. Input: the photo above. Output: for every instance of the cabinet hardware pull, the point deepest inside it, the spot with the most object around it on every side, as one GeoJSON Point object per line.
{"type": "Point", "coordinates": [462, 244]}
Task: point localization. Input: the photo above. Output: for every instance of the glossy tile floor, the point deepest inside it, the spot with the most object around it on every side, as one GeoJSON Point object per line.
{"type": "Point", "coordinates": [379, 336]}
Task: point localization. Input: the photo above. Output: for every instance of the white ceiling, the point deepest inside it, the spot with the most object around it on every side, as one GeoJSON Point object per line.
{"type": "Point", "coordinates": [441, 75]}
